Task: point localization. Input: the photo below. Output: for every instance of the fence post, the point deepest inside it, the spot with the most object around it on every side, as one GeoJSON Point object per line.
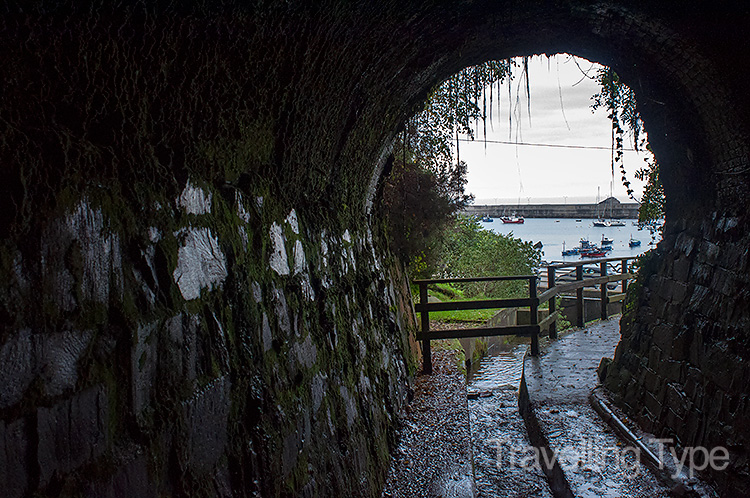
{"type": "Point", "coordinates": [579, 297]}
{"type": "Point", "coordinates": [552, 302]}
{"type": "Point", "coordinates": [603, 290]}
{"type": "Point", "coordinates": [425, 316]}
{"type": "Point", "coordinates": [624, 281]}
{"type": "Point", "coordinates": [534, 316]}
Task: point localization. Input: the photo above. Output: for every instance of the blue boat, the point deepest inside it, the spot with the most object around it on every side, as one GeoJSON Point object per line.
{"type": "Point", "coordinates": [569, 252]}
{"type": "Point", "coordinates": [633, 242]}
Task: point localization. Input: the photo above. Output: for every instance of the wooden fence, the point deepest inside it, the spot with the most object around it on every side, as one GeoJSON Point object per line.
{"type": "Point", "coordinates": [559, 278]}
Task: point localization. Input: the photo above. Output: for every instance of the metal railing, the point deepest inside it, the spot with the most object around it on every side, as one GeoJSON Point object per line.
{"type": "Point", "coordinates": [560, 278]}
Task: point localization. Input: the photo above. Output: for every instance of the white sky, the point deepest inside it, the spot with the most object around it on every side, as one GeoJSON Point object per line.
{"type": "Point", "coordinates": [501, 173]}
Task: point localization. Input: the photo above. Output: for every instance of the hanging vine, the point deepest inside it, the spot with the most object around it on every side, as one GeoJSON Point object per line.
{"type": "Point", "coordinates": [620, 103]}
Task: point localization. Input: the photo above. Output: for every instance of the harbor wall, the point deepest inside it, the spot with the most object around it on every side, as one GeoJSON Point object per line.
{"type": "Point", "coordinates": [577, 211]}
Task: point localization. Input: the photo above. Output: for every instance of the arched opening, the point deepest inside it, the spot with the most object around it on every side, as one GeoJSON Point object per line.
{"type": "Point", "coordinates": [702, 156]}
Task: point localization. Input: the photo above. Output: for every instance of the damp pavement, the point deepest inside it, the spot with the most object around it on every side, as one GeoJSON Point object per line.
{"type": "Point", "coordinates": [433, 458]}
{"type": "Point", "coordinates": [497, 427]}
{"type": "Point", "coordinates": [592, 461]}
{"type": "Point", "coordinates": [483, 436]}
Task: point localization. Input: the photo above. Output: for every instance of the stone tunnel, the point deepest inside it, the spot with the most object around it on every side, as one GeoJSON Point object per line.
{"type": "Point", "coordinates": [198, 298]}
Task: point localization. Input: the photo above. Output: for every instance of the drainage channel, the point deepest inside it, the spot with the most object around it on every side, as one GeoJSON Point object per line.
{"type": "Point", "coordinates": [499, 439]}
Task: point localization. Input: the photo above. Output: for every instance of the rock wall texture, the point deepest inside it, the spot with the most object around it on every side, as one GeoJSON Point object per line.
{"type": "Point", "coordinates": [198, 297]}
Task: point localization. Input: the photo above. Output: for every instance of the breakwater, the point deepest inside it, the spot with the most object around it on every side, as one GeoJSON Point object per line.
{"type": "Point", "coordinates": [610, 208]}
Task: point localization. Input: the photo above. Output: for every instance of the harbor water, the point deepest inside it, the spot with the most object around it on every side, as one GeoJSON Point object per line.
{"type": "Point", "coordinates": [552, 233]}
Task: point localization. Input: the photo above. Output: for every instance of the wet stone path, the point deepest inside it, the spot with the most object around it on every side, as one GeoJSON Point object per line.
{"type": "Point", "coordinates": [433, 458]}
{"type": "Point", "coordinates": [593, 459]}
{"type": "Point", "coordinates": [498, 434]}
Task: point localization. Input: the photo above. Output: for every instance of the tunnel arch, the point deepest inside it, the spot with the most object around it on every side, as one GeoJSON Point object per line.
{"type": "Point", "coordinates": [698, 132]}
{"type": "Point", "coordinates": [689, 115]}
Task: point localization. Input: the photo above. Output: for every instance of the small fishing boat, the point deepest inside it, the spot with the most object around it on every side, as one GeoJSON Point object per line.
{"type": "Point", "coordinates": [512, 219]}
{"type": "Point", "coordinates": [606, 241]}
{"type": "Point", "coordinates": [617, 223]}
{"type": "Point", "coordinates": [569, 252]}
{"type": "Point", "coordinates": [633, 242]}
{"type": "Point", "coordinates": [593, 253]}
{"type": "Point", "coordinates": [487, 219]}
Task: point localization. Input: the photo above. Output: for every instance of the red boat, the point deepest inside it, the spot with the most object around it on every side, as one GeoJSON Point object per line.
{"type": "Point", "coordinates": [512, 219]}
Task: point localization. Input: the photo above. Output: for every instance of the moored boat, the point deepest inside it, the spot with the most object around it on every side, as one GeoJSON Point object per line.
{"type": "Point", "coordinates": [569, 252]}
{"type": "Point", "coordinates": [512, 219]}
{"type": "Point", "coordinates": [595, 253]}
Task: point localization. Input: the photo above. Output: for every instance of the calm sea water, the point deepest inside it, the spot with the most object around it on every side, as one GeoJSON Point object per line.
{"type": "Point", "coordinates": [553, 233]}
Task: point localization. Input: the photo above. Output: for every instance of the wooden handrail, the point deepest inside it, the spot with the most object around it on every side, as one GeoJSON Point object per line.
{"type": "Point", "coordinates": [473, 279]}
{"type": "Point", "coordinates": [533, 302]}
{"type": "Point", "coordinates": [517, 330]}
{"type": "Point", "coordinates": [483, 304]}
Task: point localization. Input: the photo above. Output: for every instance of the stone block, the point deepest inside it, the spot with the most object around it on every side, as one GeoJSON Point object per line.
{"type": "Point", "coordinates": [719, 367]}
{"type": "Point", "coordinates": [654, 357]}
{"type": "Point", "coordinates": [670, 370]}
{"type": "Point", "coordinates": [57, 356]}
{"type": "Point", "coordinates": [266, 334]}
{"type": "Point", "coordinates": [680, 350]}
{"type": "Point", "coordinates": [715, 402]}
{"type": "Point", "coordinates": [16, 368]}
{"type": "Point", "coordinates": [663, 336]}
{"type": "Point", "coordinates": [681, 269]}
{"type": "Point", "coordinates": [130, 480]}
{"type": "Point", "coordinates": [652, 404]}
{"type": "Point", "coordinates": [72, 432]}
{"type": "Point", "coordinates": [201, 264]}
{"type": "Point", "coordinates": [673, 421]}
{"type": "Point", "coordinates": [679, 292]}
{"type": "Point", "coordinates": [676, 400]}
{"type": "Point", "coordinates": [14, 449]}
{"type": "Point", "coordinates": [651, 381]}
{"type": "Point", "coordinates": [693, 379]}
{"type": "Point", "coordinates": [693, 430]}
{"type": "Point", "coordinates": [143, 367]}
{"type": "Point", "coordinates": [206, 418]}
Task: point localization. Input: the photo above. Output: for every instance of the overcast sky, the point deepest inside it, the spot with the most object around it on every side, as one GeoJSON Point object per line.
{"type": "Point", "coordinates": [503, 173]}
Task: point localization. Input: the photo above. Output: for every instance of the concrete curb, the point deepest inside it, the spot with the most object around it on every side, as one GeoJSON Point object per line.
{"type": "Point", "coordinates": [681, 485]}
{"type": "Point", "coordinates": [556, 479]}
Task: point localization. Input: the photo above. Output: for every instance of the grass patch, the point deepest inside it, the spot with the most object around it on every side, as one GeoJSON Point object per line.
{"type": "Point", "coordinates": [444, 292]}
{"type": "Point", "coordinates": [474, 316]}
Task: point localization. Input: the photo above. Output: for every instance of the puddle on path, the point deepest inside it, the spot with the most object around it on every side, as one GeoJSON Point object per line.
{"type": "Point", "coordinates": [498, 433]}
